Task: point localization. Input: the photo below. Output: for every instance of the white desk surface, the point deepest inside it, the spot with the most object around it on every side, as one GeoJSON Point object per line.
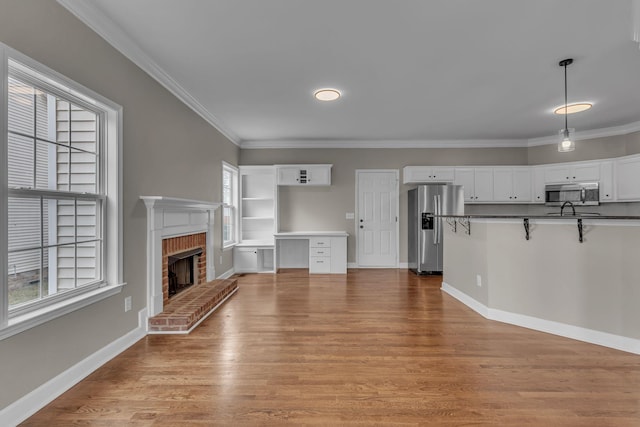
{"type": "Point", "coordinates": [307, 234]}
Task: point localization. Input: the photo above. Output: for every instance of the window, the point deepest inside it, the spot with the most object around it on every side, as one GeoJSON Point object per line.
{"type": "Point", "coordinates": [230, 205]}
{"type": "Point", "coordinates": [60, 191]}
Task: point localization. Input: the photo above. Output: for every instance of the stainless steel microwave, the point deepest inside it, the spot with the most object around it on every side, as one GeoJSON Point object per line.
{"type": "Point", "coordinates": [580, 194]}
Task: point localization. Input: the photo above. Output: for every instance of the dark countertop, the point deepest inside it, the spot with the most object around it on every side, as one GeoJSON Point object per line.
{"type": "Point", "coordinates": [552, 216]}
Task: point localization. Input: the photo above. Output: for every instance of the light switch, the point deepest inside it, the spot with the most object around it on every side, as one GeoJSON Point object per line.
{"type": "Point", "coordinates": [350, 215]}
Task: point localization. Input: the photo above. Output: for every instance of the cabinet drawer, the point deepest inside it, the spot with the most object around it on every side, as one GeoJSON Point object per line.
{"type": "Point", "coordinates": [319, 264]}
{"type": "Point", "coordinates": [322, 252]}
{"type": "Point", "coordinates": [320, 242]}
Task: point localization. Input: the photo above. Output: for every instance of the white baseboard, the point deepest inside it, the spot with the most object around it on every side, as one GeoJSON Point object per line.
{"type": "Point", "coordinates": [227, 274]}
{"type": "Point", "coordinates": [591, 336]}
{"type": "Point", "coordinates": [29, 404]}
{"type": "Point", "coordinates": [404, 265]}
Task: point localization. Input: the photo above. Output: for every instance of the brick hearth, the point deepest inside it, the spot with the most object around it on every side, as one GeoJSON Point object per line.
{"type": "Point", "coordinates": [185, 310]}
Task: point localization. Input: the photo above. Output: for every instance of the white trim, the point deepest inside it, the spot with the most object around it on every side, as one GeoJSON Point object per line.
{"type": "Point", "coordinates": [29, 404]}
{"type": "Point", "coordinates": [591, 336]}
{"type": "Point", "coordinates": [227, 274]}
{"type": "Point", "coordinates": [195, 325]}
{"type": "Point", "coordinates": [588, 134]}
{"type": "Point", "coordinates": [113, 34]}
{"type": "Point", "coordinates": [318, 143]}
{"type": "Point", "coordinates": [352, 265]}
{"type": "Point", "coordinates": [355, 220]}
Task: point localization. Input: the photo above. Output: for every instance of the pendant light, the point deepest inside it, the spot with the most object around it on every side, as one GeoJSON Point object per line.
{"type": "Point", "coordinates": [566, 142]}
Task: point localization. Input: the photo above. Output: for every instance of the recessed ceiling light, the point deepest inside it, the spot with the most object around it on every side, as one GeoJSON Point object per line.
{"type": "Point", "coordinates": [327, 94]}
{"type": "Point", "coordinates": [573, 108]}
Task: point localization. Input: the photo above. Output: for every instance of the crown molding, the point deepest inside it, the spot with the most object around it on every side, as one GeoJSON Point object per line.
{"type": "Point", "coordinates": [588, 134]}
{"type": "Point", "coordinates": [91, 16]}
{"type": "Point", "coordinates": [317, 143]}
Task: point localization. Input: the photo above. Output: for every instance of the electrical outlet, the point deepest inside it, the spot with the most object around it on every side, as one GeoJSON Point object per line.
{"type": "Point", "coordinates": [350, 215]}
{"type": "Point", "coordinates": [220, 259]}
{"type": "Point", "coordinates": [127, 304]}
{"type": "Point", "coordinates": [479, 280]}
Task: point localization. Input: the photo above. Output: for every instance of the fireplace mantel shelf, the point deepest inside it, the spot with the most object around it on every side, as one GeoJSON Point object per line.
{"type": "Point", "coordinates": [163, 202]}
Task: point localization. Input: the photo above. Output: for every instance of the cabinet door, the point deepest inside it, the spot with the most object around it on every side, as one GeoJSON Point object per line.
{"type": "Point", "coordinates": [483, 185]}
{"type": "Point", "coordinates": [442, 174]}
{"type": "Point", "coordinates": [606, 181]}
{"type": "Point", "coordinates": [521, 185]}
{"type": "Point", "coordinates": [538, 184]}
{"type": "Point", "coordinates": [586, 172]}
{"type": "Point", "coordinates": [628, 179]}
{"type": "Point", "coordinates": [466, 178]}
{"type": "Point", "coordinates": [416, 174]}
{"type": "Point", "coordinates": [245, 259]}
{"type": "Point", "coordinates": [502, 185]}
{"type": "Point", "coordinates": [288, 175]}
{"type": "Point", "coordinates": [318, 175]}
{"type": "Point", "coordinates": [557, 174]}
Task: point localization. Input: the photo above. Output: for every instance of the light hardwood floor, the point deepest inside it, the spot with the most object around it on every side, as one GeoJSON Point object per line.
{"type": "Point", "coordinates": [374, 347]}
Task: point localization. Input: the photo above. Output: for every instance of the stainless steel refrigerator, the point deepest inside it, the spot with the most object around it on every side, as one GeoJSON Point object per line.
{"type": "Point", "coordinates": [425, 230]}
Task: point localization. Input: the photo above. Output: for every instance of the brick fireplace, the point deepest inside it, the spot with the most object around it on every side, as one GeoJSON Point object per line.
{"type": "Point", "coordinates": [194, 246]}
{"type": "Point", "coordinates": [173, 226]}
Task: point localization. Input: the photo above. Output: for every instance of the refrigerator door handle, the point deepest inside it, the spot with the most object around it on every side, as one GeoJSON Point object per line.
{"type": "Point", "coordinates": [439, 220]}
{"type": "Point", "coordinates": [435, 220]}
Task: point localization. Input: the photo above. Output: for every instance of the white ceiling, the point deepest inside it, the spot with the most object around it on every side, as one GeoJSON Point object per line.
{"type": "Point", "coordinates": [441, 71]}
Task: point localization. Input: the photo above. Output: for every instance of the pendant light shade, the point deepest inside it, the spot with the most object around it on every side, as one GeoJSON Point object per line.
{"type": "Point", "coordinates": [566, 141]}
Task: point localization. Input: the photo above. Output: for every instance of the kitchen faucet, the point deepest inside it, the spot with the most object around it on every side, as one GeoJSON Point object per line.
{"type": "Point", "coordinates": [573, 208]}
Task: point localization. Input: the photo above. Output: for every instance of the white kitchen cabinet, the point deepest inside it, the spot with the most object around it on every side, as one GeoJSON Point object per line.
{"type": "Point", "coordinates": [606, 181]}
{"type": "Point", "coordinates": [512, 184]}
{"type": "Point", "coordinates": [477, 183]}
{"type": "Point", "coordinates": [627, 173]}
{"type": "Point", "coordinates": [425, 174]}
{"type": "Point", "coordinates": [579, 172]}
{"type": "Point", "coordinates": [538, 184]}
{"type": "Point", "coordinates": [312, 175]}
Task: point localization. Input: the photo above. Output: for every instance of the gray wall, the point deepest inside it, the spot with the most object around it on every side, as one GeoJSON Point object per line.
{"type": "Point", "coordinates": [168, 150]}
{"type": "Point", "coordinates": [324, 208]}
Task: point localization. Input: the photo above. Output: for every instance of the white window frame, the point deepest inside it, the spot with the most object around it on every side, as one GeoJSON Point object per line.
{"type": "Point", "coordinates": [111, 174]}
{"type": "Point", "coordinates": [226, 167]}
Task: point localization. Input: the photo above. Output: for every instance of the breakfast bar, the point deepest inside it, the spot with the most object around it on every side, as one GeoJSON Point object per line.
{"type": "Point", "coordinates": [575, 276]}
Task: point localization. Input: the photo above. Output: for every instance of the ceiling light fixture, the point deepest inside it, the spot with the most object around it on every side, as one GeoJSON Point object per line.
{"type": "Point", "coordinates": [327, 94]}
{"type": "Point", "coordinates": [566, 142]}
{"type": "Point", "coordinates": [576, 107]}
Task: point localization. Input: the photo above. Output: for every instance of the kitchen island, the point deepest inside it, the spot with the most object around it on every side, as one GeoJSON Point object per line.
{"type": "Point", "coordinates": [574, 276]}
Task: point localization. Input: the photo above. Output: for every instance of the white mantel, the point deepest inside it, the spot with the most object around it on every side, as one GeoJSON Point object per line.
{"type": "Point", "coordinates": [174, 217]}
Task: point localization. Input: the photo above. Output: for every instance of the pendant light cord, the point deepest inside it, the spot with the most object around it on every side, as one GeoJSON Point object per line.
{"type": "Point", "coordinates": [566, 127]}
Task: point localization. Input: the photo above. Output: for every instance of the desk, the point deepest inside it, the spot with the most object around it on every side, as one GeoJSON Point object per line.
{"type": "Point", "coordinates": [322, 252]}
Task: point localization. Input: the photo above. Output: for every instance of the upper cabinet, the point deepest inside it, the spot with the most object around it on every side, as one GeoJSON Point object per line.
{"type": "Point", "coordinates": [426, 174]}
{"type": "Point", "coordinates": [477, 183]}
{"type": "Point", "coordinates": [304, 174]}
{"type": "Point", "coordinates": [606, 181]}
{"type": "Point", "coordinates": [628, 178]}
{"type": "Point", "coordinates": [512, 184]}
{"type": "Point", "coordinates": [580, 172]}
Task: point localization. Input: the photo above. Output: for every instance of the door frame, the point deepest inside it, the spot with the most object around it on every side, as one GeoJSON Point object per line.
{"type": "Point", "coordinates": [396, 172]}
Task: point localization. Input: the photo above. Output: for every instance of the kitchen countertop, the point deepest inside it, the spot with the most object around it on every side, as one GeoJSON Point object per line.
{"type": "Point", "coordinates": [553, 217]}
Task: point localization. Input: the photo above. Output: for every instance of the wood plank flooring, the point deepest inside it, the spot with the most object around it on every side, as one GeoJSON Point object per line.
{"type": "Point", "coordinates": [374, 347]}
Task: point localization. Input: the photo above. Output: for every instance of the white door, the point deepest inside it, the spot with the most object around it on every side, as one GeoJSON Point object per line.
{"type": "Point", "coordinates": [377, 220]}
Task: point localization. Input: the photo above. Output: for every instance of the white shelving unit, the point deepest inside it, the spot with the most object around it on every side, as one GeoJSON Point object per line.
{"type": "Point", "coordinates": [258, 220]}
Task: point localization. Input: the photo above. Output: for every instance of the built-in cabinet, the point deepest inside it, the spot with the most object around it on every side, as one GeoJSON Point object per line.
{"type": "Point", "coordinates": [258, 220]}
{"type": "Point", "coordinates": [619, 179]}
{"type": "Point", "coordinates": [512, 184]}
{"type": "Point", "coordinates": [477, 183]}
{"type": "Point", "coordinates": [424, 174]}
{"type": "Point", "coordinates": [322, 252]}
{"type": "Point", "coordinates": [628, 178]}
{"type": "Point", "coordinates": [304, 174]}
{"type": "Point", "coordinates": [567, 173]}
